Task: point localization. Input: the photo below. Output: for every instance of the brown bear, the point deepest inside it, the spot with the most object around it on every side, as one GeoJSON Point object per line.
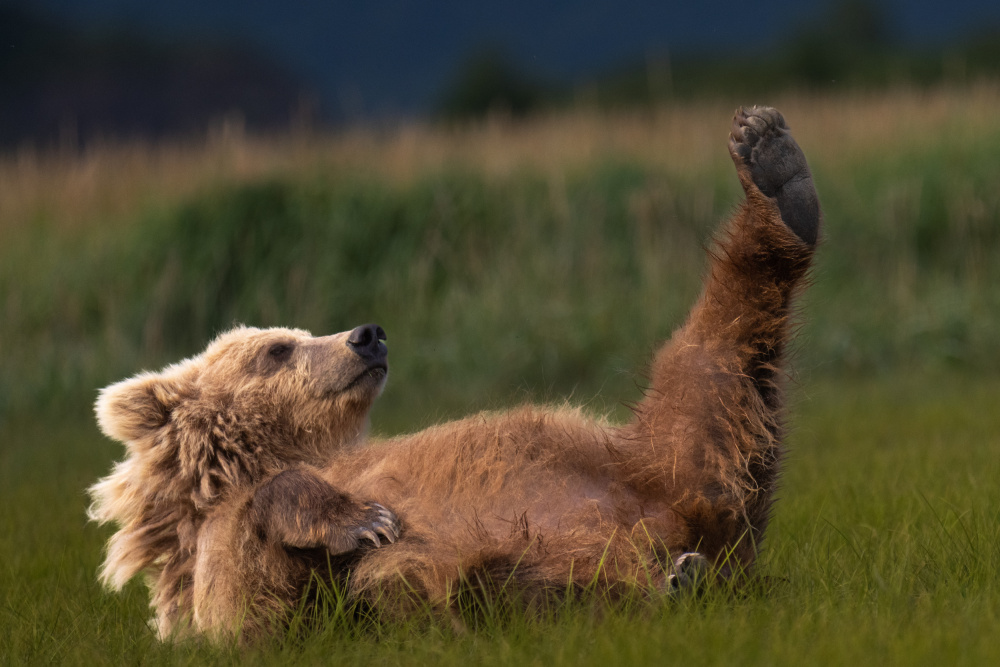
{"type": "Point", "coordinates": [248, 472]}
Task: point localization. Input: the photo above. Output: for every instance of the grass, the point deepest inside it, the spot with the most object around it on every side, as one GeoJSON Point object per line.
{"type": "Point", "coordinates": [883, 548]}
{"type": "Point", "coordinates": [511, 263]}
{"type": "Point", "coordinates": [109, 184]}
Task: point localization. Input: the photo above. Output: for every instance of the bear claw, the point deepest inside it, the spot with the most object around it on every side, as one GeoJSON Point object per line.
{"type": "Point", "coordinates": [384, 524]}
{"type": "Point", "coordinates": [690, 574]}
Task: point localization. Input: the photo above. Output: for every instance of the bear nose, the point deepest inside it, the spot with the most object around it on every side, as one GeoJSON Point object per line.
{"type": "Point", "coordinates": [368, 342]}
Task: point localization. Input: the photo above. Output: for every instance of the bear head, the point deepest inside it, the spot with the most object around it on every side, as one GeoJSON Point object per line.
{"type": "Point", "coordinates": [254, 401]}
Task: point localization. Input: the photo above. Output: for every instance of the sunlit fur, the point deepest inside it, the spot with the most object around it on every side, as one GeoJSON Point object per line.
{"type": "Point", "coordinates": [535, 499]}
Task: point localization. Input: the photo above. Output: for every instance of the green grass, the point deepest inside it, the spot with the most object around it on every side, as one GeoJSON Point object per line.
{"type": "Point", "coordinates": [883, 548]}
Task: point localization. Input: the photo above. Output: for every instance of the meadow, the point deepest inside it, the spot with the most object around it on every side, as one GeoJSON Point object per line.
{"type": "Point", "coordinates": [533, 261]}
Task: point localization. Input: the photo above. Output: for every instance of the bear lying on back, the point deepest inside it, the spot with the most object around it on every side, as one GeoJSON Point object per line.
{"type": "Point", "coordinates": [247, 468]}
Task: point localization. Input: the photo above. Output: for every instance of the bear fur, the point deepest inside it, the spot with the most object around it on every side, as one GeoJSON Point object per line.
{"type": "Point", "coordinates": [248, 471]}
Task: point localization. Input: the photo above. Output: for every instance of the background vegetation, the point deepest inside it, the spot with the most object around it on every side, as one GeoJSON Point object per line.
{"type": "Point", "coordinates": [848, 46]}
{"type": "Point", "coordinates": [533, 261]}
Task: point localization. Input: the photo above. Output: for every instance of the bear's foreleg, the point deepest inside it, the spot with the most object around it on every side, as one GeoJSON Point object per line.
{"type": "Point", "coordinates": [256, 560]}
{"type": "Point", "coordinates": [300, 510]}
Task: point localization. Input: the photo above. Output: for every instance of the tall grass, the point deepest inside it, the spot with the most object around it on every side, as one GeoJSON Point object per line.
{"type": "Point", "coordinates": [534, 281]}
{"type": "Point", "coordinates": [443, 265]}
{"type": "Point", "coordinates": [110, 183]}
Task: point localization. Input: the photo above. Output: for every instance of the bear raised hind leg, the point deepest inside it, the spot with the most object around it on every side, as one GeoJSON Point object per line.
{"type": "Point", "coordinates": [706, 442]}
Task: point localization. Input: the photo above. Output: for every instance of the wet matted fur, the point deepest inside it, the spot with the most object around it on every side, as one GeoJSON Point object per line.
{"type": "Point", "coordinates": [248, 471]}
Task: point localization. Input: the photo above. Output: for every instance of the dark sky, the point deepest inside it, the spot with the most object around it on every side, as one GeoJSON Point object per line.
{"type": "Point", "coordinates": [392, 56]}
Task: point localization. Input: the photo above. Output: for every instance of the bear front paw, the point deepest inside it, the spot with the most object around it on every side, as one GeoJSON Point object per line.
{"type": "Point", "coordinates": [378, 521]}
{"type": "Point", "coordinates": [298, 509]}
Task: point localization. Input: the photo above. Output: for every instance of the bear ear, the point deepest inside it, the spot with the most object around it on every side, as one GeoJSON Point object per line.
{"type": "Point", "coordinates": [134, 408]}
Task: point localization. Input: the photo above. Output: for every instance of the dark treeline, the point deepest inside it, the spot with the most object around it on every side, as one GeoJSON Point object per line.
{"type": "Point", "coordinates": [852, 44]}
{"type": "Point", "coordinates": [60, 86]}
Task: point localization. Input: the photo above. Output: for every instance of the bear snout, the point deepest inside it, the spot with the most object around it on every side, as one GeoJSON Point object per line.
{"type": "Point", "coordinates": [368, 342]}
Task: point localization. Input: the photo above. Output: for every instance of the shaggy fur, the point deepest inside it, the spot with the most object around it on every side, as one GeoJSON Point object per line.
{"type": "Point", "coordinates": [247, 469]}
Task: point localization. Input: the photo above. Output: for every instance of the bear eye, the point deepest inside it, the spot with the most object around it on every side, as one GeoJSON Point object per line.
{"type": "Point", "coordinates": [280, 352]}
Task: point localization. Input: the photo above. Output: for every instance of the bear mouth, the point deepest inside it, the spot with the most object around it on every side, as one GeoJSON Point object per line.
{"type": "Point", "coordinates": [371, 376]}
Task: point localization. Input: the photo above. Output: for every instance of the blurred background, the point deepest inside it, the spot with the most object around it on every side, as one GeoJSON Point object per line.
{"type": "Point", "coordinates": [521, 193]}
{"type": "Point", "coordinates": [76, 70]}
